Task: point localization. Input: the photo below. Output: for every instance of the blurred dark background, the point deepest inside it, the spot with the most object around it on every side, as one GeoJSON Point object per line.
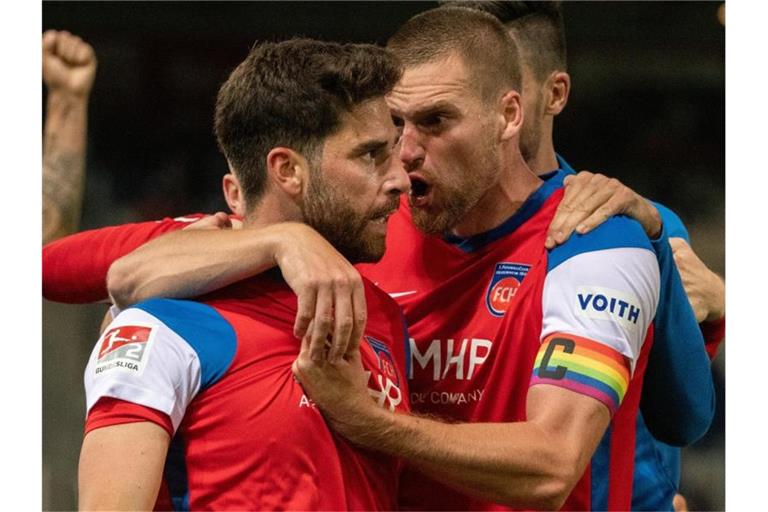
{"type": "Point", "coordinates": [647, 106]}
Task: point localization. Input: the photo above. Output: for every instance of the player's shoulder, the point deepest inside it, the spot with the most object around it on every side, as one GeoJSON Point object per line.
{"type": "Point", "coordinates": [198, 325]}
{"type": "Point", "coordinates": [618, 232]}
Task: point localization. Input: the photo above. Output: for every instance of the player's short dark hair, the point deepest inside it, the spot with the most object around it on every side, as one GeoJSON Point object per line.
{"type": "Point", "coordinates": [536, 27]}
{"type": "Point", "coordinates": [293, 94]}
{"type": "Point", "coordinates": [479, 38]}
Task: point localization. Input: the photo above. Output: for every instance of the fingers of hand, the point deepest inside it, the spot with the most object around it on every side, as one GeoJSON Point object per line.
{"type": "Point", "coordinates": [84, 53]}
{"type": "Point", "coordinates": [343, 312]}
{"type": "Point", "coordinates": [68, 47]}
{"type": "Point", "coordinates": [360, 315]}
{"type": "Point", "coordinates": [608, 201]}
{"type": "Point", "coordinates": [681, 260]}
{"type": "Point", "coordinates": [583, 202]}
{"type": "Point", "coordinates": [329, 289]}
{"type": "Point", "coordinates": [599, 216]}
{"type": "Point", "coordinates": [580, 178]}
{"type": "Point", "coordinates": [302, 361]}
{"type": "Point", "coordinates": [221, 220]}
{"type": "Point", "coordinates": [574, 189]}
{"type": "Point", "coordinates": [640, 209]}
{"type": "Point", "coordinates": [683, 255]}
{"type": "Point", "coordinates": [678, 244]}
{"type": "Point", "coordinates": [218, 220]}
{"type": "Point", "coordinates": [49, 41]}
{"type": "Point", "coordinates": [73, 49]}
{"type": "Point", "coordinates": [700, 310]}
{"type": "Point", "coordinates": [306, 310]}
{"type": "Point", "coordinates": [322, 324]}
{"type": "Point", "coordinates": [611, 198]}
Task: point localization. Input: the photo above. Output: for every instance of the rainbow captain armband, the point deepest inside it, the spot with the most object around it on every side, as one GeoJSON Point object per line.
{"type": "Point", "coordinates": [584, 366]}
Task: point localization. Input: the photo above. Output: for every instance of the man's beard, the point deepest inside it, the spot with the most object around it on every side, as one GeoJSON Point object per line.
{"type": "Point", "coordinates": [454, 204]}
{"type": "Point", "coordinates": [328, 211]}
{"type": "Point", "coordinates": [457, 197]}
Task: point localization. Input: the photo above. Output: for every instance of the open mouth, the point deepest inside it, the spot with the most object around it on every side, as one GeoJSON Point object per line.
{"type": "Point", "coordinates": [420, 191]}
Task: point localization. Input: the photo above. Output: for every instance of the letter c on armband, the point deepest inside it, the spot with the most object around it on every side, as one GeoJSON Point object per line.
{"type": "Point", "coordinates": [558, 372]}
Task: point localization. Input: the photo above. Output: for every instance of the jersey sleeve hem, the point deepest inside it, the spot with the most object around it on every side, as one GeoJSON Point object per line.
{"type": "Point", "coordinates": [135, 395]}
{"type": "Point", "coordinates": [113, 411]}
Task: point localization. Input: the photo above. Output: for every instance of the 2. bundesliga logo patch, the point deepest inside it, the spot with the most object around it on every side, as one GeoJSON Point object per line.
{"type": "Point", "coordinates": [504, 284]}
{"type": "Point", "coordinates": [125, 348]}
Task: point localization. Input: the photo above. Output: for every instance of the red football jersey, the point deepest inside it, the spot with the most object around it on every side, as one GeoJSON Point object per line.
{"type": "Point", "coordinates": [218, 373]}
{"type": "Point", "coordinates": [482, 311]}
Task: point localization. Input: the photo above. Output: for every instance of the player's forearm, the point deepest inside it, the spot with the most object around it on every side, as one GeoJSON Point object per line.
{"type": "Point", "coordinates": [518, 464]}
{"type": "Point", "coordinates": [64, 143]}
{"type": "Point", "coordinates": [187, 264]}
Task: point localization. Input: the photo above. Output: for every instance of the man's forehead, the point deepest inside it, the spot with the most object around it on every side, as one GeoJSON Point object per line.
{"type": "Point", "coordinates": [443, 80]}
{"type": "Point", "coordinates": [370, 115]}
{"type": "Point", "coordinates": [366, 121]}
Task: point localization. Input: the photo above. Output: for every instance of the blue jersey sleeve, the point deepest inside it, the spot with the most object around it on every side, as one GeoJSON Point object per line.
{"type": "Point", "coordinates": [673, 225]}
{"type": "Point", "coordinates": [678, 400]}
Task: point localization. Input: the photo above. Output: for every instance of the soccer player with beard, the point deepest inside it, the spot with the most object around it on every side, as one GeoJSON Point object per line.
{"type": "Point", "coordinates": [205, 388]}
{"type": "Point", "coordinates": [681, 406]}
{"type": "Point", "coordinates": [540, 354]}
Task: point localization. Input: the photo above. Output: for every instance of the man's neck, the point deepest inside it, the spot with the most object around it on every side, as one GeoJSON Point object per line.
{"type": "Point", "coordinates": [545, 159]}
{"type": "Point", "coordinates": [271, 210]}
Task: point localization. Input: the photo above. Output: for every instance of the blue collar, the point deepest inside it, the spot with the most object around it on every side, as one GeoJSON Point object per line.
{"type": "Point", "coordinates": [552, 182]}
{"type": "Point", "coordinates": [563, 166]}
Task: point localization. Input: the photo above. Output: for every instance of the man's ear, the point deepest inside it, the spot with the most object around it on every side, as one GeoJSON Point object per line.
{"type": "Point", "coordinates": [512, 112]}
{"type": "Point", "coordinates": [558, 89]}
{"type": "Point", "coordinates": [233, 194]}
{"type": "Point", "coordinates": [288, 170]}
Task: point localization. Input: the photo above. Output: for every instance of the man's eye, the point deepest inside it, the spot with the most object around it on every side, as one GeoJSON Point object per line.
{"type": "Point", "coordinates": [378, 156]}
{"type": "Point", "coordinates": [371, 155]}
{"type": "Point", "coordinates": [432, 120]}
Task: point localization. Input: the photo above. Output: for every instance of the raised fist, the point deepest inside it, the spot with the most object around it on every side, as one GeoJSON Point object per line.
{"type": "Point", "coordinates": [69, 64]}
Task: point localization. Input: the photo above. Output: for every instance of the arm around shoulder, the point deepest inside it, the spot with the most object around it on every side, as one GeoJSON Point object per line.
{"type": "Point", "coordinates": [189, 263]}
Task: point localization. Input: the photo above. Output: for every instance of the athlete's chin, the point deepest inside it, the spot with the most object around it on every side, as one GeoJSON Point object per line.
{"type": "Point", "coordinates": [431, 221]}
{"type": "Point", "coordinates": [371, 248]}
